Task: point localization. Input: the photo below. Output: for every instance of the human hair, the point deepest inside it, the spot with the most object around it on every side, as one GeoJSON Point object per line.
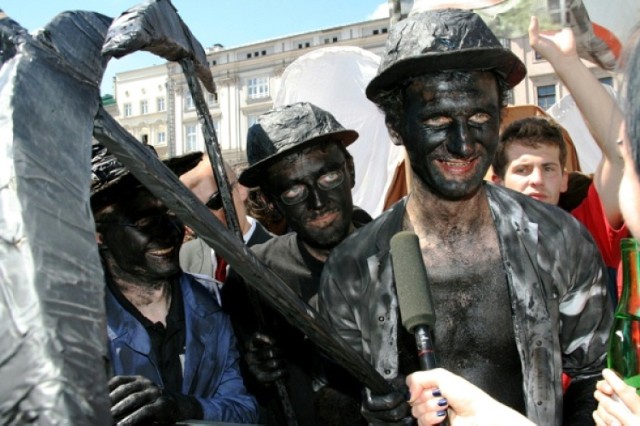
{"type": "Point", "coordinates": [531, 132]}
{"type": "Point", "coordinates": [391, 102]}
{"type": "Point", "coordinates": [630, 99]}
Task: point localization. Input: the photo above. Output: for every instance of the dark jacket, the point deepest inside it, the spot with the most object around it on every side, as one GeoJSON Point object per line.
{"type": "Point", "coordinates": [556, 279]}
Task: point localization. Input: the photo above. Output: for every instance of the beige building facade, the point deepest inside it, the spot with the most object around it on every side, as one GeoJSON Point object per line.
{"type": "Point", "coordinates": [154, 103]}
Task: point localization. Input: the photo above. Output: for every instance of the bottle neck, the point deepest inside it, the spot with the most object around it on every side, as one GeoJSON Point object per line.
{"type": "Point", "coordinates": [630, 298]}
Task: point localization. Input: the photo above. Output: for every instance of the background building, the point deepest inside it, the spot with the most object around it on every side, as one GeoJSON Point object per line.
{"type": "Point", "coordinates": [154, 103]}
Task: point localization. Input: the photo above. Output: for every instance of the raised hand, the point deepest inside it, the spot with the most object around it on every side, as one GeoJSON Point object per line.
{"type": "Point", "coordinates": [557, 48]}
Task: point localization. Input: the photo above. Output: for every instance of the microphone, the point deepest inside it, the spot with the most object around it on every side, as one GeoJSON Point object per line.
{"type": "Point", "coordinates": [414, 296]}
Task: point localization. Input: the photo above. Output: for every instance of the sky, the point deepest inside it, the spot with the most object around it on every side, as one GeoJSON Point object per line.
{"type": "Point", "coordinates": [227, 22]}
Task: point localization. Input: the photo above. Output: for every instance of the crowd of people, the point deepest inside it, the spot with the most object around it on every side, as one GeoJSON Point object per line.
{"type": "Point", "coordinates": [523, 292]}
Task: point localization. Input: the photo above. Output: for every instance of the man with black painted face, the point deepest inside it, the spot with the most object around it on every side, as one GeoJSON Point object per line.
{"type": "Point", "coordinates": [518, 286]}
{"type": "Point", "coordinates": [298, 157]}
{"type": "Point", "coordinates": [171, 347]}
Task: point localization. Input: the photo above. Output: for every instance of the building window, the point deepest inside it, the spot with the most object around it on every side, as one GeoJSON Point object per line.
{"type": "Point", "coordinates": [258, 88]}
{"type": "Point", "coordinates": [127, 109]}
{"type": "Point", "coordinates": [191, 139]}
{"type": "Point", "coordinates": [160, 104]}
{"type": "Point", "coordinates": [546, 95]}
{"type": "Point", "coordinates": [144, 107]}
{"type": "Point", "coordinates": [161, 138]}
{"type": "Point", "coordinates": [376, 32]}
{"type": "Point", "coordinates": [384, 31]}
{"type": "Point", "coordinates": [304, 45]}
{"type": "Point", "coordinates": [188, 101]}
{"type": "Point", "coordinates": [606, 80]}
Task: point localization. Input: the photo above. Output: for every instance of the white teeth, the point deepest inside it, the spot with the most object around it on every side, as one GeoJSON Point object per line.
{"type": "Point", "coordinates": [161, 252]}
{"type": "Point", "coordinates": [456, 163]}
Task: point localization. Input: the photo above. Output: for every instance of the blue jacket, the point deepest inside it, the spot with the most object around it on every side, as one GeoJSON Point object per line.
{"type": "Point", "coordinates": [211, 372]}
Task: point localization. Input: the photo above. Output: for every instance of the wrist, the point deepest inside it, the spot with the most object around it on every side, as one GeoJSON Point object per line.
{"type": "Point", "coordinates": [187, 407]}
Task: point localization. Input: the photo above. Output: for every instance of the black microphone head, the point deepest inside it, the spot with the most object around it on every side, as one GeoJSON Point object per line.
{"type": "Point", "coordinates": [412, 286]}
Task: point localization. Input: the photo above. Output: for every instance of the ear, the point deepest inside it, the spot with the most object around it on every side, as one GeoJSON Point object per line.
{"type": "Point", "coordinates": [352, 171]}
{"type": "Point", "coordinates": [99, 239]}
{"type": "Point", "coordinates": [565, 182]}
{"type": "Point", "coordinates": [243, 192]}
{"type": "Point", "coordinates": [497, 179]}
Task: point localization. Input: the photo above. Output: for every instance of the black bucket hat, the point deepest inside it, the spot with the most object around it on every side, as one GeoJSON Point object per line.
{"type": "Point", "coordinates": [285, 130]}
{"type": "Point", "coordinates": [443, 40]}
{"type": "Point", "coordinates": [110, 178]}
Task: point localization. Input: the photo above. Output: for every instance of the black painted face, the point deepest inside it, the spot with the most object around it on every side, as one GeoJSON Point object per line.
{"type": "Point", "coordinates": [143, 238]}
{"type": "Point", "coordinates": [450, 130]}
{"type": "Point", "coordinates": [313, 190]}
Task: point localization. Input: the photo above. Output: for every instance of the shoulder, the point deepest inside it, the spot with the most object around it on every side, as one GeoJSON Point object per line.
{"type": "Point", "coordinates": [518, 205]}
{"type": "Point", "coordinates": [198, 288]}
{"type": "Point", "coordinates": [556, 230]}
{"type": "Point", "coordinates": [192, 246]}
{"type": "Point", "coordinates": [276, 245]}
{"type": "Point", "coordinates": [260, 235]}
{"type": "Point", "coordinates": [370, 240]}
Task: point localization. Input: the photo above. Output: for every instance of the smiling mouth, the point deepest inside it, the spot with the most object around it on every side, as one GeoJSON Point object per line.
{"type": "Point", "coordinates": [323, 220]}
{"type": "Point", "coordinates": [161, 252]}
{"type": "Point", "coordinates": [458, 167]}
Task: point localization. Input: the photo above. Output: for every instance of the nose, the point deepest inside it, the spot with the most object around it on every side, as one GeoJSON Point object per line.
{"type": "Point", "coordinates": [535, 178]}
{"type": "Point", "coordinates": [315, 200]}
{"type": "Point", "coordinates": [460, 143]}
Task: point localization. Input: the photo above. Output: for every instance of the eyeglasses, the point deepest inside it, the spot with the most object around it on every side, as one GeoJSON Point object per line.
{"type": "Point", "coordinates": [145, 223]}
{"type": "Point", "coordinates": [215, 200]}
{"type": "Point", "coordinates": [298, 193]}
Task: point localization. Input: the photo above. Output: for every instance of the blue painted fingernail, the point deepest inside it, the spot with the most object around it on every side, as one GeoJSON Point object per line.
{"type": "Point", "coordinates": [442, 402]}
{"type": "Point", "coordinates": [442, 413]}
{"type": "Point", "coordinates": [436, 392]}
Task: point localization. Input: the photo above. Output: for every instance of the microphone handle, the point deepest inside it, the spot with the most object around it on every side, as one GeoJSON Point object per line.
{"type": "Point", "coordinates": [426, 351]}
{"type": "Point", "coordinates": [424, 344]}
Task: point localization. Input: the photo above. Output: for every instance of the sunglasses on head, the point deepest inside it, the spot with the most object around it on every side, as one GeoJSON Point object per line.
{"type": "Point", "coordinates": [215, 200]}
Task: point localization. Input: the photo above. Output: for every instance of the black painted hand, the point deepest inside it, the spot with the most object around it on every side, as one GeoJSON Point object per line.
{"type": "Point", "coordinates": [264, 358]}
{"type": "Point", "coordinates": [388, 409]}
{"type": "Point", "coordinates": [137, 400]}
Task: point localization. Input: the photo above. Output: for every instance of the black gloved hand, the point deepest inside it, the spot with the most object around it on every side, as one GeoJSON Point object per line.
{"type": "Point", "coordinates": [388, 409]}
{"type": "Point", "coordinates": [264, 358]}
{"type": "Point", "coordinates": [137, 400]}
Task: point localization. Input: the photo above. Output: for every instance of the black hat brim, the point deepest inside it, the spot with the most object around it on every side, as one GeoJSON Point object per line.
{"type": "Point", "coordinates": [254, 175]}
{"type": "Point", "coordinates": [501, 61]}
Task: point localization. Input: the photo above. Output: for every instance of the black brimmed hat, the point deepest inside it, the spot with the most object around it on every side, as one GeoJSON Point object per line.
{"type": "Point", "coordinates": [285, 130]}
{"type": "Point", "coordinates": [443, 40]}
{"type": "Point", "coordinates": [109, 177]}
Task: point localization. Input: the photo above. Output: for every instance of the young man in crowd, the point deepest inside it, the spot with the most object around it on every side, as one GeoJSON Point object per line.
{"type": "Point", "coordinates": [532, 153]}
{"type": "Point", "coordinates": [518, 287]}
{"type": "Point", "coordinates": [171, 347]}
{"type": "Point", "coordinates": [298, 157]}
{"type": "Point", "coordinates": [196, 256]}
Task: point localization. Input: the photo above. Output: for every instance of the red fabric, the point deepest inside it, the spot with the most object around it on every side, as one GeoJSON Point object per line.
{"type": "Point", "coordinates": [591, 214]}
{"type": "Point", "coordinates": [221, 269]}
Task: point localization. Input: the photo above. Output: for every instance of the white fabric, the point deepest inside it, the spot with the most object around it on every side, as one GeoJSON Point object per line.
{"type": "Point", "coordinates": [334, 78]}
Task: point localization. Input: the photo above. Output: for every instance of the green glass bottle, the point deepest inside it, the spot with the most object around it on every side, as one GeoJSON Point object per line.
{"type": "Point", "coordinates": [624, 340]}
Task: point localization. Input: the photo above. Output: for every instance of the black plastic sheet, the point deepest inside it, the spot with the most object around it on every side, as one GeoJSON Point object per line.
{"type": "Point", "coordinates": [52, 320]}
